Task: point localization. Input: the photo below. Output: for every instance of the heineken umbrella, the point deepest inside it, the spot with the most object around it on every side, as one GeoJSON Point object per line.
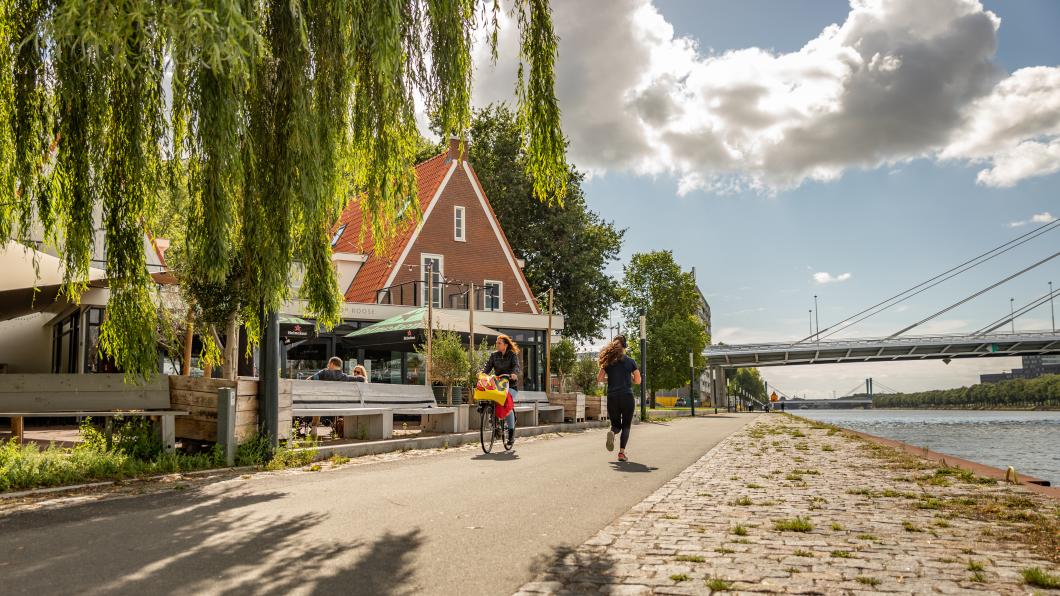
{"type": "Point", "coordinates": [295, 329]}
{"type": "Point", "coordinates": [409, 329]}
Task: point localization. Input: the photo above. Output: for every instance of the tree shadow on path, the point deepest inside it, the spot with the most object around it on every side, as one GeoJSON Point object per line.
{"type": "Point", "coordinates": [579, 570]}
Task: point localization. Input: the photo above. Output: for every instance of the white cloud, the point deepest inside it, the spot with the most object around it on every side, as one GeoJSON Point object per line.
{"type": "Point", "coordinates": [1037, 218]}
{"type": "Point", "coordinates": [897, 80]}
{"type": "Point", "coordinates": [823, 277]}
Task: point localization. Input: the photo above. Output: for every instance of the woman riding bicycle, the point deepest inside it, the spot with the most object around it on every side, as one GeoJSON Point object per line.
{"type": "Point", "coordinates": [505, 362]}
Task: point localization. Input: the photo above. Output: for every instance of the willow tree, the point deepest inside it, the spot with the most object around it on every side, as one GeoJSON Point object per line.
{"type": "Point", "coordinates": [272, 114]}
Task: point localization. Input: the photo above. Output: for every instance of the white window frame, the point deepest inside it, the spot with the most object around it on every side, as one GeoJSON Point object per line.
{"type": "Point", "coordinates": [440, 273]}
{"type": "Point", "coordinates": [500, 294]}
{"type": "Point", "coordinates": [338, 235]}
{"type": "Point", "coordinates": [459, 224]}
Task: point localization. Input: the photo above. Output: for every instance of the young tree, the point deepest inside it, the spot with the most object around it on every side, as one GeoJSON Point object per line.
{"type": "Point", "coordinates": [654, 282]}
{"type": "Point", "coordinates": [580, 244]}
{"type": "Point", "coordinates": [585, 375]}
{"type": "Point", "coordinates": [449, 361]}
{"type": "Point", "coordinates": [281, 111]}
{"type": "Point", "coordinates": [564, 359]}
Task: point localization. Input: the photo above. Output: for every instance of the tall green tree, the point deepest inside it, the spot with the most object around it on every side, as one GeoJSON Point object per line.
{"type": "Point", "coordinates": [281, 111]}
{"type": "Point", "coordinates": [749, 381]}
{"type": "Point", "coordinates": [566, 246]}
{"type": "Point", "coordinates": [654, 282]}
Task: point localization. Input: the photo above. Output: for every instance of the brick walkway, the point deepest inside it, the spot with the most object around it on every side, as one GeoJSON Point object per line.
{"type": "Point", "coordinates": [878, 521]}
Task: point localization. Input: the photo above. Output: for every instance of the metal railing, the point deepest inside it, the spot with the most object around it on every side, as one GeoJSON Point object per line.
{"type": "Point", "coordinates": [446, 295]}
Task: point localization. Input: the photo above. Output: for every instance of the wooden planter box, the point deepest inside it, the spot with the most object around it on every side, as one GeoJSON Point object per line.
{"type": "Point", "coordinates": [573, 405]}
{"type": "Point", "coordinates": [198, 395]}
{"type": "Point", "coordinates": [595, 407]}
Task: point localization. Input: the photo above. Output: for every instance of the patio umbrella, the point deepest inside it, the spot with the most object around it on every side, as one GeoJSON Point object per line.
{"type": "Point", "coordinates": [409, 329]}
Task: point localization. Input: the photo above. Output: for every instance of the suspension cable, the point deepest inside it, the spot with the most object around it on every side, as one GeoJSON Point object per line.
{"type": "Point", "coordinates": [934, 281]}
{"type": "Point", "coordinates": [976, 294]}
{"type": "Point", "coordinates": [1019, 312]}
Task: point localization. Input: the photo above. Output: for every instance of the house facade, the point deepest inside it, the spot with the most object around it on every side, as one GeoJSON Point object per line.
{"type": "Point", "coordinates": [455, 257]}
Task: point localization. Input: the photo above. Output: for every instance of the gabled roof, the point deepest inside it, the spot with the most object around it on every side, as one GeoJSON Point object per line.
{"type": "Point", "coordinates": [377, 269]}
{"type": "Point", "coordinates": [373, 273]}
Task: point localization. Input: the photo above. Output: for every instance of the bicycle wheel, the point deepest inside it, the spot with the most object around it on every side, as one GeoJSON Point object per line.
{"type": "Point", "coordinates": [508, 443]}
{"type": "Point", "coordinates": [486, 431]}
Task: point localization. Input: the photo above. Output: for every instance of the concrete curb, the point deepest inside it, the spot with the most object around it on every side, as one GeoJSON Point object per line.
{"type": "Point", "coordinates": [444, 441]}
{"type": "Point", "coordinates": [58, 489]}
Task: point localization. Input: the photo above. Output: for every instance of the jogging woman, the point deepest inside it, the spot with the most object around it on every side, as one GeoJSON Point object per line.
{"type": "Point", "coordinates": [506, 362]}
{"type": "Point", "coordinates": [621, 374]}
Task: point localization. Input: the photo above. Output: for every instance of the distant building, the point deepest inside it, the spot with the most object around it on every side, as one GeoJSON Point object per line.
{"type": "Point", "coordinates": [1033, 367]}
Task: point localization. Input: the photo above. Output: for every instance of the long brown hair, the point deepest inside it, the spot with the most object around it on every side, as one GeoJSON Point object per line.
{"type": "Point", "coordinates": [511, 343]}
{"type": "Point", "coordinates": [612, 352]}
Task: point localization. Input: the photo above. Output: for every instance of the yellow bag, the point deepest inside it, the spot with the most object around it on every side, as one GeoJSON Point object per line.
{"type": "Point", "coordinates": [491, 389]}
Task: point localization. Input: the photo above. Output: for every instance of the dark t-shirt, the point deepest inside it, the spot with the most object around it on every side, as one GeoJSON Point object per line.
{"type": "Point", "coordinates": [329, 375]}
{"type": "Point", "coordinates": [620, 376]}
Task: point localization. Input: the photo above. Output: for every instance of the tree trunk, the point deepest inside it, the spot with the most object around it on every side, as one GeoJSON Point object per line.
{"type": "Point", "coordinates": [230, 366]}
{"type": "Point", "coordinates": [189, 336]}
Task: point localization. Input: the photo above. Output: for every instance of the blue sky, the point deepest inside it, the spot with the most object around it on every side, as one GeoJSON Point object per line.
{"type": "Point", "coordinates": [756, 231]}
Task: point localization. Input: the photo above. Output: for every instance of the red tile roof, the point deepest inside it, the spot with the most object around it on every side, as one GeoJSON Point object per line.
{"type": "Point", "coordinates": [374, 272]}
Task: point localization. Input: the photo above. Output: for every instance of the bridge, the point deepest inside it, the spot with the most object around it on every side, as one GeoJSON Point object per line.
{"type": "Point", "coordinates": [934, 347]}
{"type": "Point", "coordinates": [891, 349]}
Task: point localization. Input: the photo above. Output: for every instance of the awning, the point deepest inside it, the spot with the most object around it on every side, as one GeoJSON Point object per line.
{"type": "Point", "coordinates": [409, 329]}
{"type": "Point", "coordinates": [294, 329]}
{"type": "Point", "coordinates": [27, 288]}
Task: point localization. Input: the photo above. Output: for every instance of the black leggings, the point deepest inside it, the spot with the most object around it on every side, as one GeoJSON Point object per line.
{"type": "Point", "coordinates": [620, 410]}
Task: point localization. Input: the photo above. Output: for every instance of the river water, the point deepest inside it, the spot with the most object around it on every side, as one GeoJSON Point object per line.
{"type": "Point", "coordinates": [1028, 441]}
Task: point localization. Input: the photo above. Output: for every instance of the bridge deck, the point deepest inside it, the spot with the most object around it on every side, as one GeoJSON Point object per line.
{"type": "Point", "coordinates": [885, 350]}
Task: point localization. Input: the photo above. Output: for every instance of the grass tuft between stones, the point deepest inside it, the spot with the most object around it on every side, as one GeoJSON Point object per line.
{"type": "Point", "coordinates": [739, 530]}
{"type": "Point", "coordinates": [798, 524]}
{"type": "Point", "coordinates": [690, 558]}
{"type": "Point", "coordinates": [841, 554]}
{"type": "Point", "coordinates": [868, 581]}
{"type": "Point", "coordinates": [716, 584]}
{"type": "Point", "coordinates": [680, 577]}
{"type": "Point", "coordinates": [1034, 576]}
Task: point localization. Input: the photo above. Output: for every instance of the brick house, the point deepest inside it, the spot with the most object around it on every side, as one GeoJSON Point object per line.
{"type": "Point", "coordinates": [460, 242]}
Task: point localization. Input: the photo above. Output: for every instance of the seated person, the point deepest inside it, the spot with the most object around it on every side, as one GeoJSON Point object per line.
{"type": "Point", "coordinates": [360, 375]}
{"type": "Point", "coordinates": [332, 373]}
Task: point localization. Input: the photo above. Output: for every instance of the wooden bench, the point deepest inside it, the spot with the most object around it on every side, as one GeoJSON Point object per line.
{"type": "Point", "coordinates": [89, 395]}
{"type": "Point", "coordinates": [535, 409]}
{"type": "Point", "coordinates": [377, 403]}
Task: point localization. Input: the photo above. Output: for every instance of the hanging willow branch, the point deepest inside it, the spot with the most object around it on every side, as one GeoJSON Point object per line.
{"type": "Point", "coordinates": [268, 114]}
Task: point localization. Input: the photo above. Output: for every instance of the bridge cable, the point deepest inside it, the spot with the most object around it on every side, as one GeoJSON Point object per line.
{"type": "Point", "coordinates": [976, 294]}
{"type": "Point", "coordinates": [1019, 312]}
{"type": "Point", "coordinates": [875, 383]}
{"type": "Point", "coordinates": [945, 275]}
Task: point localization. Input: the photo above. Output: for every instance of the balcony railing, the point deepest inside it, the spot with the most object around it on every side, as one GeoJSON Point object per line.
{"type": "Point", "coordinates": [446, 295]}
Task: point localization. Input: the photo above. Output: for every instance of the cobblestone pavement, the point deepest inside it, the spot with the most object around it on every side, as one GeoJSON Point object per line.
{"type": "Point", "coordinates": [791, 506]}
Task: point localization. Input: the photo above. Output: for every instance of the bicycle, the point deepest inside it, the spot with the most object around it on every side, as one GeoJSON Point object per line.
{"type": "Point", "coordinates": [492, 427]}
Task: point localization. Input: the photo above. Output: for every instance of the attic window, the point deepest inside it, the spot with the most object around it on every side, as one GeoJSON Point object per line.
{"type": "Point", "coordinates": [458, 224]}
{"type": "Point", "coordinates": [338, 234]}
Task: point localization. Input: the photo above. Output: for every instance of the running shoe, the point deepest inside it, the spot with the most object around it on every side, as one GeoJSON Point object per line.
{"type": "Point", "coordinates": [622, 457]}
{"type": "Point", "coordinates": [610, 440]}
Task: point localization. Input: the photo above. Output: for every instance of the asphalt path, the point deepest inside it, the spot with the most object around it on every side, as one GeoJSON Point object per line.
{"type": "Point", "coordinates": [459, 522]}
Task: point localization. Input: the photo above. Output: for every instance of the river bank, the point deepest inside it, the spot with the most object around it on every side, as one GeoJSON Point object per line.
{"type": "Point", "coordinates": [793, 506]}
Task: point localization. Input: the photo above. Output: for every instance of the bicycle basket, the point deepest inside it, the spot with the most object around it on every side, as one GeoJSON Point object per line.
{"type": "Point", "coordinates": [491, 389]}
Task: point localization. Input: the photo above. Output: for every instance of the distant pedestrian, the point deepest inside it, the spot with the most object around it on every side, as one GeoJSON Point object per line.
{"type": "Point", "coordinates": [621, 374]}
{"type": "Point", "coordinates": [332, 373]}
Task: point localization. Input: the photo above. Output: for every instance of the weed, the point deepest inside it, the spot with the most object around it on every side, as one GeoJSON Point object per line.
{"type": "Point", "coordinates": [929, 503]}
{"type": "Point", "coordinates": [827, 448]}
{"type": "Point", "coordinates": [338, 460]}
{"type": "Point", "coordinates": [910, 526]}
{"type": "Point", "coordinates": [798, 524]}
{"type": "Point", "coordinates": [868, 581]}
{"type": "Point", "coordinates": [767, 503]}
{"type": "Point", "coordinates": [724, 551]}
{"type": "Point", "coordinates": [742, 541]}
{"type": "Point", "coordinates": [718, 585]}
{"type": "Point", "coordinates": [837, 527]}
{"type": "Point", "coordinates": [315, 468]}
{"type": "Point", "coordinates": [680, 577]}
{"type": "Point", "coordinates": [734, 477]}
{"type": "Point", "coordinates": [968, 551]}
{"type": "Point", "coordinates": [690, 558]}
{"type": "Point", "coordinates": [703, 494]}
{"type": "Point", "coordinates": [1034, 576]}
{"type": "Point", "coordinates": [860, 491]}
{"type": "Point", "coordinates": [975, 565]}
{"type": "Point", "coordinates": [743, 502]}
{"type": "Point", "coordinates": [739, 530]}
{"type": "Point", "coordinates": [978, 577]}
{"type": "Point", "coordinates": [794, 477]}
{"type": "Point", "coordinates": [841, 554]}
{"type": "Point", "coordinates": [669, 516]}
{"type": "Point", "coordinates": [802, 553]}
{"type": "Point", "coordinates": [753, 485]}
{"type": "Point", "coordinates": [793, 570]}
{"type": "Point", "coordinates": [942, 523]}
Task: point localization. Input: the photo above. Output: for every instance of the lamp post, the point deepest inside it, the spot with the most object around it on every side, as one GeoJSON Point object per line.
{"type": "Point", "coordinates": [811, 321]}
{"type": "Point", "coordinates": [643, 364]}
{"type": "Point", "coordinates": [692, 383]}
{"type": "Point", "coordinates": [816, 318]}
{"type": "Point", "coordinates": [1052, 313]}
{"type": "Point", "coordinates": [1012, 313]}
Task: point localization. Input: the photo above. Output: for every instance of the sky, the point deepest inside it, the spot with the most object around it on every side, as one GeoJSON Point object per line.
{"type": "Point", "coordinates": [844, 149]}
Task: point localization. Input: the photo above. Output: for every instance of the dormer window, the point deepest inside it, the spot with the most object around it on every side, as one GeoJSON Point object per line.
{"type": "Point", "coordinates": [338, 234]}
{"type": "Point", "coordinates": [459, 225]}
